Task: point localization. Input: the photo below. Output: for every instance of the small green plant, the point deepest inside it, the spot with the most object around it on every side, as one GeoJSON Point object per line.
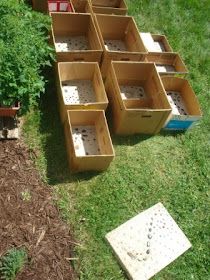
{"type": "Point", "coordinates": [26, 195]}
{"type": "Point", "coordinates": [12, 263]}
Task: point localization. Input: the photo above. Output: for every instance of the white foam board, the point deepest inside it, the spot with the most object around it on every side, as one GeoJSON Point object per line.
{"type": "Point", "coordinates": [147, 243]}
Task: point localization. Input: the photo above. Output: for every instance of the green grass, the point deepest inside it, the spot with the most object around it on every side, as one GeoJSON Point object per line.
{"type": "Point", "coordinates": [171, 168]}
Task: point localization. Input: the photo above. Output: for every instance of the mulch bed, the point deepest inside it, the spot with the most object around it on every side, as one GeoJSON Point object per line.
{"type": "Point", "coordinates": [30, 219]}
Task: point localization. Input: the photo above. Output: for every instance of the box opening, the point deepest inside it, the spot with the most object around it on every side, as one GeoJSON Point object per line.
{"type": "Point", "coordinates": [92, 124]}
{"type": "Point", "coordinates": [74, 32]}
{"type": "Point", "coordinates": [123, 37]}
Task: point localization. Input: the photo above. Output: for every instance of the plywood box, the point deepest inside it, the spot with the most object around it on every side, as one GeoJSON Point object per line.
{"type": "Point", "coordinates": [155, 43]}
{"type": "Point", "coordinates": [168, 63]}
{"type": "Point", "coordinates": [75, 37]}
{"type": "Point", "coordinates": [139, 102]}
{"type": "Point", "coordinates": [186, 111]}
{"type": "Point", "coordinates": [118, 7]}
{"type": "Point", "coordinates": [80, 86]}
{"type": "Point", "coordinates": [82, 6]}
{"type": "Point", "coordinates": [120, 40]}
{"type": "Point", "coordinates": [88, 142]}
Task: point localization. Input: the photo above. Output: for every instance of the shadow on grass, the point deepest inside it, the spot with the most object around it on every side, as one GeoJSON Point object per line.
{"type": "Point", "coordinates": [54, 141]}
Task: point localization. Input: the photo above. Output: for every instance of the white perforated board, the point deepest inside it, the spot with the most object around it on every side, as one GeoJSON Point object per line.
{"type": "Point", "coordinates": [85, 140]}
{"type": "Point", "coordinates": [132, 92]}
{"type": "Point", "coordinates": [177, 103]}
{"type": "Point", "coordinates": [163, 68]}
{"type": "Point", "coordinates": [71, 43]}
{"type": "Point", "coordinates": [78, 92]}
{"type": "Point", "coordinates": [115, 45]}
{"type": "Point", "coordinates": [147, 243]}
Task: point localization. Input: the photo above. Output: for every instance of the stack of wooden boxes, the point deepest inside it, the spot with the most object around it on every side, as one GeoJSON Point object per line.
{"type": "Point", "coordinates": [99, 51]}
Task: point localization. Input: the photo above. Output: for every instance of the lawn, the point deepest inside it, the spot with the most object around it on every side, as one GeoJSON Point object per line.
{"type": "Point", "coordinates": [171, 168]}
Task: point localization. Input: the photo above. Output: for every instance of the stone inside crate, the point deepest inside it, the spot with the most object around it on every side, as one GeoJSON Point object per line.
{"type": "Point", "coordinates": [78, 92]}
{"type": "Point", "coordinates": [115, 45]}
{"type": "Point", "coordinates": [71, 43]}
{"type": "Point", "coordinates": [177, 103]}
{"type": "Point", "coordinates": [85, 140]}
{"type": "Point", "coordinates": [132, 92]}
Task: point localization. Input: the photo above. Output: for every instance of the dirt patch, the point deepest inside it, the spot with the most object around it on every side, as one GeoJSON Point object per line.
{"type": "Point", "coordinates": [29, 218]}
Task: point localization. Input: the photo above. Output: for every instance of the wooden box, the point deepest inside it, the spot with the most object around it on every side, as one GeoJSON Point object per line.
{"type": "Point", "coordinates": [155, 43]}
{"type": "Point", "coordinates": [120, 40]}
{"type": "Point", "coordinates": [186, 111]}
{"type": "Point", "coordinates": [88, 142]}
{"type": "Point", "coordinates": [139, 102]}
{"type": "Point", "coordinates": [168, 63]}
{"type": "Point", "coordinates": [75, 37]}
{"type": "Point", "coordinates": [82, 6]}
{"type": "Point", "coordinates": [117, 7]}
{"type": "Point", "coordinates": [80, 86]}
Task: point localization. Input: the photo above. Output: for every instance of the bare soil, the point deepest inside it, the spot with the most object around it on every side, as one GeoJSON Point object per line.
{"type": "Point", "coordinates": [30, 219]}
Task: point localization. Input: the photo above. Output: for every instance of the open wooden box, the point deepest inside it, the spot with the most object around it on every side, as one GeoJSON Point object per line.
{"type": "Point", "coordinates": [155, 43]}
{"type": "Point", "coordinates": [75, 37]}
{"type": "Point", "coordinates": [120, 40]}
{"type": "Point", "coordinates": [185, 107]}
{"type": "Point", "coordinates": [82, 6]}
{"type": "Point", "coordinates": [80, 86]}
{"type": "Point", "coordinates": [116, 7]}
{"type": "Point", "coordinates": [89, 145]}
{"type": "Point", "coordinates": [139, 103]}
{"type": "Point", "coordinates": [168, 63]}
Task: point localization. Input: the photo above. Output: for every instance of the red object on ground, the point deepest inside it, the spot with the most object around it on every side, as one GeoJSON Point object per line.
{"type": "Point", "coordinates": [59, 6]}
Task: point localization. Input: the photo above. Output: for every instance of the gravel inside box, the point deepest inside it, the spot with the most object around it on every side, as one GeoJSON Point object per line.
{"type": "Point", "coordinates": [30, 219]}
{"type": "Point", "coordinates": [78, 92]}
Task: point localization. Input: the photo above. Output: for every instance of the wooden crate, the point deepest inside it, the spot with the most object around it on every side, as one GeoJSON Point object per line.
{"type": "Point", "coordinates": [186, 111]}
{"type": "Point", "coordinates": [75, 37]}
{"type": "Point", "coordinates": [136, 94]}
{"type": "Point", "coordinates": [80, 86]}
{"type": "Point", "coordinates": [120, 40]}
{"type": "Point", "coordinates": [118, 7]}
{"type": "Point", "coordinates": [88, 142]}
{"type": "Point", "coordinates": [82, 6]}
{"type": "Point", "coordinates": [168, 63]}
{"type": "Point", "coordinates": [155, 43]}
